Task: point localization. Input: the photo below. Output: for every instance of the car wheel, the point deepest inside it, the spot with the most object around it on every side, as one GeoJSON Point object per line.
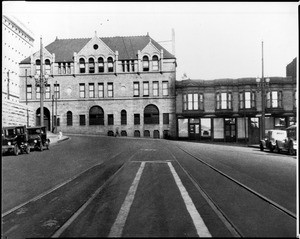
{"type": "Point", "coordinates": [261, 147]}
{"type": "Point", "coordinates": [41, 146]}
{"type": "Point", "coordinates": [16, 150]}
{"type": "Point", "coordinates": [291, 150]}
{"type": "Point", "coordinates": [271, 148]}
{"type": "Point", "coordinates": [277, 148]}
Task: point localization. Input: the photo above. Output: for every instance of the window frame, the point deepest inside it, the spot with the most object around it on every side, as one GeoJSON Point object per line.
{"type": "Point", "coordinates": [165, 88]}
{"type": "Point", "coordinates": [29, 92]}
{"type": "Point", "coordinates": [91, 90]}
{"type": "Point", "coordinates": [145, 64]}
{"type": "Point", "coordinates": [110, 90]}
{"type": "Point", "coordinates": [155, 91]}
{"type": "Point", "coordinates": [81, 90]}
{"type": "Point", "coordinates": [136, 91]}
{"type": "Point", "coordinates": [145, 89]}
{"type": "Point", "coordinates": [100, 90]}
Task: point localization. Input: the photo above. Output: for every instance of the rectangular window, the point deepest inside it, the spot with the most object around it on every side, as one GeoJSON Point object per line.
{"type": "Point", "coordinates": [247, 100]}
{"type": "Point", "coordinates": [100, 90]}
{"type": "Point", "coordinates": [91, 90]}
{"type": "Point", "coordinates": [224, 100]}
{"type": "Point", "coordinates": [155, 88]}
{"type": "Point", "coordinates": [123, 66]}
{"type": "Point", "coordinates": [64, 68]}
{"type": "Point", "coordinates": [47, 91]}
{"type": "Point", "coordinates": [132, 66]}
{"type": "Point", "coordinates": [82, 90]}
{"type": "Point", "coordinates": [110, 119]}
{"type": "Point", "coordinates": [165, 88]}
{"type": "Point", "coordinates": [274, 99]}
{"type": "Point", "coordinates": [81, 119]}
{"type": "Point", "coordinates": [192, 101]}
{"type": "Point", "coordinates": [136, 89]}
{"type": "Point", "coordinates": [68, 68]}
{"type": "Point", "coordinates": [165, 118]}
{"type": "Point", "coordinates": [136, 119]}
{"type": "Point", "coordinates": [185, 102]}
{"type": "Point", "coordinates": [110, 90]}
{"type": "Point", "coordinates": [145, 88]}
{"type": "Point", "coordinates": [201, 102]}
{"type": "Point", "coordinates": [38, 92]}
{"type": "Point", "coordinates": [56, 91]}
{"type": "Point", "coordinates": [29, 92]}
{"type": "Point", "coordinates": [59, 68]}
{"type": "Point", "coordinates": [128, 66]}
{"type": "Point", "coordinates": [155, 65]}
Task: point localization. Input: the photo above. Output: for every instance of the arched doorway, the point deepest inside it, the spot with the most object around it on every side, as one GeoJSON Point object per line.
{"type": "Point", "coordinates": [46, 118]}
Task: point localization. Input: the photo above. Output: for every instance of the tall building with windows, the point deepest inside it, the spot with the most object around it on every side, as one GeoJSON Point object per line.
{"type": "Point", "coordinates": [101, 85]}
{"type": "Point", "coordinates": [17, 43]}
{"type": "Point", "coordinates": [229, 110]}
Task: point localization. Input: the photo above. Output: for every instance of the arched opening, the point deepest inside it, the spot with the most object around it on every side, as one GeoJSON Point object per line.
{"type": "Point", "coordinates": [123, 133]}
{"type": "Point", "coordinates": [155, 63]}
{"type": "Point", "coordinates": [151, 114]}
{"type": "Point", "coordinates": [146, 133]}
{"type": "Point", "coordinates": [46, 118]}
{"type": "Point", "coordinates": [82, 65]}
{"type": "Point", "coordinates": [47, 66]}
{"type": "Point", "coordinates": [69, 118]}
{"type": "Point", "coordinates": [91, 65]}
{"type": "Point", "coordinates": [100, 64]}
{"type": "Point", "coordinates": [145, 63]}
{"type": "Point", "coordinates": [156, 134]}
{"type": "Point", "coordinates": [96, 115]}
{"type": "Point", "coordinates": [137, 133]}
{"type": "Point", "coordinates": [110, 64]}
{"type": "Point", "coordinates": [123, 117]}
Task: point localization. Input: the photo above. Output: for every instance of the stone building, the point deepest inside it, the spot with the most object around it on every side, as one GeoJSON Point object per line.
{"type": "Point", "coordinates": [102, 85]}
{"type": "Point", "coordinates": [230, 109]}
{"type": "Point", "coordinates": [17, 43]}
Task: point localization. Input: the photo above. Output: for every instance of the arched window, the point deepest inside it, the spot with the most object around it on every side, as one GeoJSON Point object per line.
{"type": "Point", "coordinates": [47, 66]}
{"type": "Point", "coordinates": [69, 118]}
{"type": "Point", "coordinates": [38, 62]}
{"type": "Point", "coordinates": [91, 65]}
{"type": "Point", "coordinates": [123, 117]}
{"type": "Point", "coordinates": [100, 64]}
{"type": "Point", "coordinates": [38, 66]}
{"type": "Point", "coordinates": [151, 115]}
{"type": "Point", "coordinates": [82, 65]}
{"type": "Point", "coordinates": [110, 64]}
{"type": "Point", "coordinates": [145, 63]}
{"type": "Point", "coordinates": [156, 134]}
{"type": "Point", "coordinates": [155, 63]}
{"type": "Point", "coordinates": [96, 116]}
{"type": "Point", "coordinates": [137, 133]}
{"type": "Point", "coordinates": [146, 133]}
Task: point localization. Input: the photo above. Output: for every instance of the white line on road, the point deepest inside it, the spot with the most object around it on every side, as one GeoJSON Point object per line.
{"type": "Point", "coordinates": [197, 220]}
{"type": "Point", "coordinates": [117, 228]}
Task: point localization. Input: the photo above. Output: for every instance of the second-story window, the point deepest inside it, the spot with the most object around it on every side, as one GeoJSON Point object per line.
{"type": "Point", "coordinates": [146, 88]}
{"type": "Point", "coordinates": [247, 100]}
{"type": "Point", "coordinates": [274, 99]}
{"type": "Point", "coordinates": [82, 65]}
{"type": "Point", "coordinates": [100, 90]}
{"type": "Point", "coordinates": [193, 101]}
{"type": "Point", "coordinates": [91, 65]}
{"type": "Point", "coordinates": [47, 67]}
{"type": "Point", "coordinates": [81, 90]}
{"type": "Point", "coordinates": [155, 88]}
{"type": "Point", "coordinates": [223, 100]}
{"type": "Point", "coordinates": [110, 64]}
{"type": "Point", "coordinates": [110, 90]}
{"type": "Point", "coordinates": [165, 88]}
{"type": "Point", "coordinates": [59, 68]}
{"type": "Point", "coordinates": [47, 91]}
{"type": "Point", "coordinates": [69, 68]}
{"type": "Point", "coordinates": [155, 63]}
{"type": "Point", "coordinates": [145, 63]}
{"type": "Point", "coordinates": [136, 89]}
{"type": "Point", "coordinates": [132, 66]}
{"type": "Point", "coordinates": [56, 91]}
{"type": "Point", "coordinates": [38, 66]}
{"type": "Point", "coordinates": [91, 90]}
{"type": "Point", "coordinates": [29, 92]}
{"type": "Point", "coordinates": [100, 64]}
{"type": "Point", "coordinates": [38, 92]}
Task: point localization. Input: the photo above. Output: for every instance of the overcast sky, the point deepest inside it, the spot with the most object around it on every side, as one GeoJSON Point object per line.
{"type": "Point", "coordinates": [212, 40]}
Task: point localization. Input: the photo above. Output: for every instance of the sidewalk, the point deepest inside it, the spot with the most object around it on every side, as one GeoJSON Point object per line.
{"type": "Point", "coordinates": [55, 138]}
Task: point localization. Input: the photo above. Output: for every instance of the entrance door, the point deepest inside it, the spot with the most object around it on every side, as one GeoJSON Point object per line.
{"type": "Point", "coordinates": [254, 131]}
{"type": "Point", "coordinates": [230, 130]}
{"type": "Point", "coordinates": [194, 129]}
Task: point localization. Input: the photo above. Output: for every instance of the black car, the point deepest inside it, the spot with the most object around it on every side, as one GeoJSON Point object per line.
{"type": "Point", "coordinates": [37, 138]}
{"type": "Point", "coordinates": [15, 140]}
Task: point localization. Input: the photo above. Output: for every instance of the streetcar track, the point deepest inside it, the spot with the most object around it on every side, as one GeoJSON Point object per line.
{"type": "Point", "coordinates": [274, 204]}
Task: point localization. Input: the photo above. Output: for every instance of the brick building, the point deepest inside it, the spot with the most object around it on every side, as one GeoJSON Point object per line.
{"type": "Point", "coordinates": [230, 109]}
{"type": "Point", "coordinates": [17, 43]}
{"type": "Point", "coordinates": [103, 85]}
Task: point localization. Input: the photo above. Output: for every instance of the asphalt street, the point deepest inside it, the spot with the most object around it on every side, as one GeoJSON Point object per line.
{"type": "Point", "coordinates": [104, 186]}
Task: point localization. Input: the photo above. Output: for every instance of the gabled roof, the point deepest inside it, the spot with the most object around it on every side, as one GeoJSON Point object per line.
{"type": "Point", "coordinates": [126, 46]}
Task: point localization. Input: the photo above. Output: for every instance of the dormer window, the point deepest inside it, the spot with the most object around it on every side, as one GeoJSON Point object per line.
{"type": "Point", "coordinates": [110, 63]}
{"type": "Point", "coordinates": [100, 64]}
{"type": "Point", "coordinates": [145, 63]}
{"type": "Point", "coordinates": [82, 65]}
{"type": "Point", "coordinates": [91, 65]}
{"type": "Point", "coordinates": [155, 63]}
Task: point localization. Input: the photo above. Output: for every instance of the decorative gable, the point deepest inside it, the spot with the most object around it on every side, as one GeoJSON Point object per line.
{"type": "Point", "coordinates": [46, 55]}
{"type": "Point", "coordinates": [150, 49]}
{"type": "Point", "coordinates": [96, 47]}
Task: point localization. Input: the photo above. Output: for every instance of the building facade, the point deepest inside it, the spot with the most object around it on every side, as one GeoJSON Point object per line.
{"type": "Point", "coordinates": [230, 110]}
{"type": "Point", "coordinates": [103, 86]}
{"type": "Point", "coordinates": [17, 43]}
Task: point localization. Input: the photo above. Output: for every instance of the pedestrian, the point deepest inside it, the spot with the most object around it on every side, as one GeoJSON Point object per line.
{"type": "Point", "coordinates": [117, 132]}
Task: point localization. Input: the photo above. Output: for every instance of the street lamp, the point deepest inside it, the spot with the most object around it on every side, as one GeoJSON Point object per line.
{"type": "Point", "coordinates": [41, 80]}
{"type": "Point", "coordinates": [262, 84]}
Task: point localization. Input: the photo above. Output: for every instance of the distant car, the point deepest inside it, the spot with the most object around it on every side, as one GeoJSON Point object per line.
{"type": "Point", "coordinates": [37, 138]}
{"type": "Point", "coordinates": [269, 142]}
{"type": "Point", "coordinates": [289, 143]}
{"type": "Point", "coordinates": [15, 140]}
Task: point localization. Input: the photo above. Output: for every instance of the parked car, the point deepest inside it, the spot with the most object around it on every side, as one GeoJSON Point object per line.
{"type": "Point", "coordinates": [37, 138]}
{"type": "Point", "coordinates": [289, 143]}
{"type": "Point", "coordinates": [269, 142]}
{"type": "Point", "coordinates": [15, 140]}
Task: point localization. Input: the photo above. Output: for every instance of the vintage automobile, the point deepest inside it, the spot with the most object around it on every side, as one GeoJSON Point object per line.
{"type": "Point", "coordinates": [289, 143]}
{"type": "Point", "coordinates": [272, 136]}
{"type": "Point", "coordinates": [37, 138]}
{"type": "Point", "coordinates": [15, 140]}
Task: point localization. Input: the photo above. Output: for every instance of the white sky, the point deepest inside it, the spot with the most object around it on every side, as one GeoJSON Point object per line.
{"type": "Point", "coordinates": [212, 40]}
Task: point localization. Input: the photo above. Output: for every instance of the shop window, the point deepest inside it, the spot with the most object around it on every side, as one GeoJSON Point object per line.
{"type": "Point", "coordinates": [280, 122]}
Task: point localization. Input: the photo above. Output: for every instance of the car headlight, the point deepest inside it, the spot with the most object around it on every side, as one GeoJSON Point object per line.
{"type": "Point", "coordinates": [9, 143]}
{"type": "Point", "coordinates": [35, 141]}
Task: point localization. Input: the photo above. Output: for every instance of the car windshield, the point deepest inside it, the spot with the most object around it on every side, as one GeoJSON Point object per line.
{"type": "Point", "coordinates": [34, 131]}
{"type": "Point", "coordinates": [9, 132]}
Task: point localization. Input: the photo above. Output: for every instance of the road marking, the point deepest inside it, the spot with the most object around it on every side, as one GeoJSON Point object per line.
{"type": "Point", "coordinates": [197, 219]}
{"type": "Point", "coordinates": [156, 161]}
{"type": "Point", "coordinates": [117, 228]}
